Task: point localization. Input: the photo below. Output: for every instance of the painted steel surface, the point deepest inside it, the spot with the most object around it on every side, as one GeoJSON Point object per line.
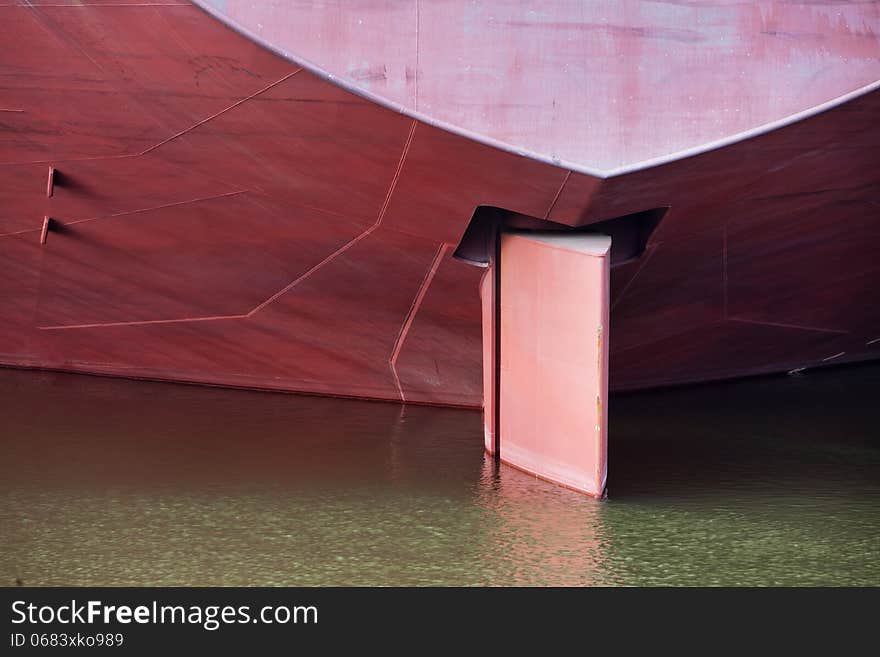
{"type": "Point", "coordinates": [552, 376]}
{"type": "Point", "coordinates": [221, 215]}
{"type": "Point", "coordinates": [488, 300]}
{"type": "Point", "coordinates": [599, 86]}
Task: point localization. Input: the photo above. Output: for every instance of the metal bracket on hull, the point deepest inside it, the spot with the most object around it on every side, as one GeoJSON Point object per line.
{"type": "Point", "coordinates": [545, 356]}
{"type": "Point", "coordinates": [630, 233]}
{"type": "Point", "coordinates": [44, 233]}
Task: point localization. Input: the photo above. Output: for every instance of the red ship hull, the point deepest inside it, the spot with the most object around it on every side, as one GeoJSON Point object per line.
{"type": "Point", "coordinates": [219, 214]}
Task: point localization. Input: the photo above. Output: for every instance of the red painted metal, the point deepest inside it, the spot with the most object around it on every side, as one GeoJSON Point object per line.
{"type": "Point", "coordinates": [552, 419]}
{"type": "Point", "coordinates": [227, 216]}
{"type": "Point", "coordinates": [491, 364]}
{"type": "Point", "coordinates": [601, 87]}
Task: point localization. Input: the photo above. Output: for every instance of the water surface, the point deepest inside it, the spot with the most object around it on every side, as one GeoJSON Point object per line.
{"type": "Point", "coordinates": [111, 482]}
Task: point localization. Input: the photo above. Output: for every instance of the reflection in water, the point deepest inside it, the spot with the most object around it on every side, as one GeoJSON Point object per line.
{"type": "Point", "coordinates": [539, 533]}
{"type": "Point", "coordinates": [102, 481]}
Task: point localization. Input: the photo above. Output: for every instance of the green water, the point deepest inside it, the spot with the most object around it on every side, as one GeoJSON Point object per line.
{"type": "Point", "coordinates": [110, 482]}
